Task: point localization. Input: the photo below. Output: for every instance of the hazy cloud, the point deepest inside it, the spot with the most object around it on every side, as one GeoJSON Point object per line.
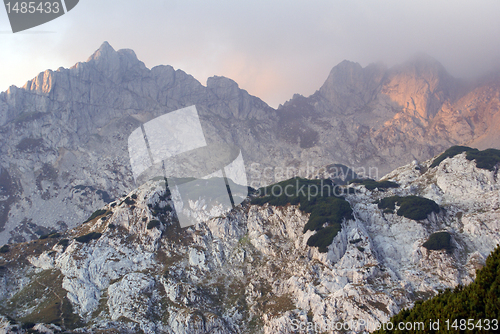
{"type": "Point", "coordinates": [273, 49]}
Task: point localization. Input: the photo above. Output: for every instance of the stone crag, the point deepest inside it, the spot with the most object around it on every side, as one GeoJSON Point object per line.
{"type": "Point", "coordinates": [64, 134]}
{"type": "Point", "coordinates": [251, 270]}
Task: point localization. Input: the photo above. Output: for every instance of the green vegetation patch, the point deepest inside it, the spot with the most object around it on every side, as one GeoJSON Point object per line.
{"type": "Point", "coordinates": [479, 301]}
{"type": "Point", "coordinates": [52, 235]}
{"type": "Point", "coordinates": [327, 210]}
{"type": "Point", "coordinates": [88, 237]}
{"type": "Point", "coordinates": [371, 184]}
{"type": "Point", "coordinates": [96, 214]}
{"type": "Point", "coordinates": [46, 301]}
{"type": "Point", "coordinates": [313, 196]}
{"type": "Point", "coordinates": [30, 144]}
{"type": "Point", "coordinates": [450, 153]}
{"type": "Point", "coordinates": [128, 201]}
{"type": "Point", "coordinates": [295, 191]}
{"type": "Point", "coordinates": [63, 242]}
{"type": "Point", "coordinates": [486, 159]}
{"type": "Point", "coordinates": [411, 207]}
{"type": "Point", "coordinates": [438, 241]}
{"type": "Point", "coordinates": [324, 237]}
{"type": "Point", "coordinates": [153, 223]}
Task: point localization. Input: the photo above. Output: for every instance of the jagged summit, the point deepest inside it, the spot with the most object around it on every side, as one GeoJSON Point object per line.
{"type": "Point", "coordinates": [107, 53]}
{"type": "Point", "coordinates": [343, 76]}
{"type": "Point", "coordinates": [64, 134]}
{"type": "Point", "coordinates": [130, 268]}
{"type": "Point", "coordinates": [422, 67]}
{"type": "Point", "coordinates": [349, 85]}
{"type": "Point", "coordinates": [220, 82]}
{"type": "Point", "coordinates": [114, 64]}
{"type": "Point", "coordinates": [104, 51]}
{"type": "Point", "coordinates": [422, 62]}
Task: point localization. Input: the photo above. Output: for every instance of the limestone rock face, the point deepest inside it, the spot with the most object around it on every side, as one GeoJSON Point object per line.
{"type": "Point", "coordinates": [376, 116]}
{"type": "Point", "coordinates": [64, 133]}
{"type": "Point", "coordinates": [250, 270]}
{"type": "Point", "coordinates": [350, 87]}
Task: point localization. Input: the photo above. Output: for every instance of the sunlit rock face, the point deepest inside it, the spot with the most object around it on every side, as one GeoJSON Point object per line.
{"type": "Point", "coordinates": [250, 270]}
{"type": "Point", "coordinates": [386, 117]}
{"type": "Point", "coordinates": [64, 134]}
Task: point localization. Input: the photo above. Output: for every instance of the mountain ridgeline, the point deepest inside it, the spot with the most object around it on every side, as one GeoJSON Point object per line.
{"type": "Point", "coordinates": [64, 133]}
{"type": "Point", "coordinates": [300, 253]}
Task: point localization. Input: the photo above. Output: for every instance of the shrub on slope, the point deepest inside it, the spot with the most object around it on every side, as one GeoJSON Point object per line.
{"type": "Point", "coordinates": [450, 153]}
{"type": "Point", "coordinates": [313, 196]}
{"type": "Point", "coordinates": [438, 241]}
{"type": "Point", "coordinates": [479, 301]}
{"type": "Point", "coordinates": [371, 184]}
{"type": "Point", "coordinates": [486, 159]}
{"type": "Point", "coordinates": [411, 207]}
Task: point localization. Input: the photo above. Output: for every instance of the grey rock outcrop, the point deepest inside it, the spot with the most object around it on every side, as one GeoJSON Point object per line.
{"type": "Point", "coordinates": [251, 270]}
{"type": "Point", "coordinates": [383, 117]}
{"type": "Point", "coordinates": [64, 134]}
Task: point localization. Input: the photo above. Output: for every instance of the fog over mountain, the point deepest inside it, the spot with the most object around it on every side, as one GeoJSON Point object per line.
{"type": "Point", "coordinates": [86, 249]}
{"type": "Point", "coordinates": [64, 134]}
{"type": "Point", "coordinates": [273, 50]}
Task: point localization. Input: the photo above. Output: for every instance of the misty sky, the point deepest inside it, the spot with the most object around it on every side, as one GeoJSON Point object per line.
{"type": "Point", "coordinates": [273, 49]}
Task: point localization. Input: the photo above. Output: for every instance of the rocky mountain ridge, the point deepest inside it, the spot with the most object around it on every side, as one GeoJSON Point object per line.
{"type": "Point", "coordinates": [64, 134]}
{"type": "Point", "coordinates": [130, 267]}
{"type": "Point", "coordinates": [375, 115]}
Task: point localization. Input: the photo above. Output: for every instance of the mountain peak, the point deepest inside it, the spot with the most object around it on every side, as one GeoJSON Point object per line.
{"type": "Point", "coordinates": [105, 45]}
{"type": "Point", "coordinates": [421, 85]}
{"type": "Point", "coordinates": [343, 68]}
{"type": "Point", "coordinates": [104, 51]}
{"type": "Point", "coordinates": [216, 82]}
{"type": "Point", "coordinates": [114, 64]}
{"type": "Point", "coordinates": [345, 73]}
{"type": "Point", "coordinates": [423, 64]}
{"type": "Point", "coordinates": [349, 85]}
{"type": "Point", "coordinates": [422, 57]}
